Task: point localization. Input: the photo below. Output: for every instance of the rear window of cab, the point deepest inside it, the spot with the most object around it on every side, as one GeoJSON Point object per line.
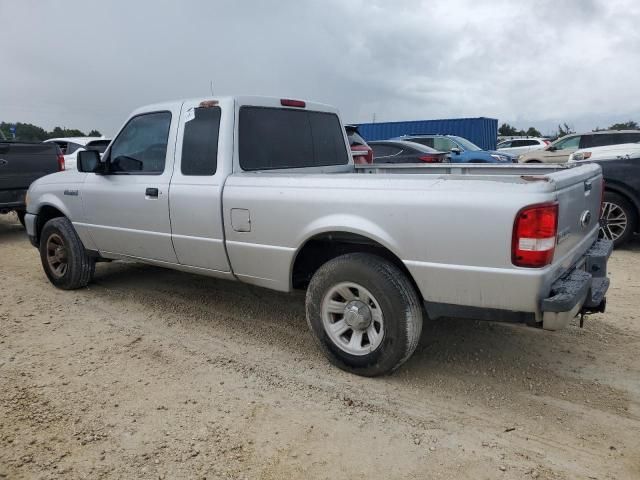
{"type": "Point", "coordinates": [274, 138]}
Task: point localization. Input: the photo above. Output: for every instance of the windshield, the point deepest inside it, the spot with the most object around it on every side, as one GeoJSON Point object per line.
{"type": "Point", "coordinates": [465, 144]}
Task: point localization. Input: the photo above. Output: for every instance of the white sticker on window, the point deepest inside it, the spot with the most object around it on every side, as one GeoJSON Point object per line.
{"type": "Point", "coordinates": [191, 114]}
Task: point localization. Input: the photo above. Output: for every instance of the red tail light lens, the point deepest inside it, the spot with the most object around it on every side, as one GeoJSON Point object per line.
{"type": "Point", "coordinates": [287, 102]}
{"type": "Point", "coordinates": [534, 235]}
{"type": "Point", "coordinates": [60, 162]}
{"type": "Point", "coordinates": [430, 158]}
{"type": "Point", "coordinates": [363, 156]}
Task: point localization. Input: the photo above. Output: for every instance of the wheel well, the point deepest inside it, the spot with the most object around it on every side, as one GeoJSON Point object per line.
{"type": "Point", "coordinates": [533, 161]}
{"type": "Point", "coordinates": [326, 246]}
{"type": "Point", "coordinates": [46, 213]}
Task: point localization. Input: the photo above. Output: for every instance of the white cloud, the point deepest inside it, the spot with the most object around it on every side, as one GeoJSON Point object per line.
{"type": "Point", "coordinates": [86, 64]}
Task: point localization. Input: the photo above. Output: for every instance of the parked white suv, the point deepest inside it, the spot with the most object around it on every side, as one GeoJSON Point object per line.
{"type": "Point", "coordinates": [610, 152]}
{"type": "Point", "coordinates": [71, 145]}
{"type": "Point", "coordinates": [518, 146]}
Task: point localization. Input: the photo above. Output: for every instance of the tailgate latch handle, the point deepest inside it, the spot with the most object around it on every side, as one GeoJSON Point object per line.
{"type": "Point", "coordinates": [588, 186]}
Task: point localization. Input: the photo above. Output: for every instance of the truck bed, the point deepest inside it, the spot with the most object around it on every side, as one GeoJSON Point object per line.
{"type": "Point", "coordinates": [489, 169]}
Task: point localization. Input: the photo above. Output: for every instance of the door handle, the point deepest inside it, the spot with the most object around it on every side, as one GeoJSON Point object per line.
{"type": "Point", "coordinates": [151, 192]}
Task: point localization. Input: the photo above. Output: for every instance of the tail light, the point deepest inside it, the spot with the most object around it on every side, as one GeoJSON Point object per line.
{"type": "Point", "coordinates": [287, 102]}
{"type": "Point", "coordinates": [534, 235]}
{"type": "Point", "coordinates": [362, 155]}
{"type": "Point", "coordinates": [430, 158]}
{"type": "Point", "coordinates": [60, 161]}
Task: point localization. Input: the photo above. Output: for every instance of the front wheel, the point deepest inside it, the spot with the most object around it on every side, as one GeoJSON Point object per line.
{"type": "Point", "coordinates": [618, 219]}
{"type": "Point", "coordinates": [364, 313]}
{"type": "Point", "coordinates": [64, 259]}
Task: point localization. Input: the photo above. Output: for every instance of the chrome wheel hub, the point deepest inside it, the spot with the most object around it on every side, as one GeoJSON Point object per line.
{"type": "Point", "coordinates": [357, 315]}
{"type": "Point", "coordinates": [352, 318]}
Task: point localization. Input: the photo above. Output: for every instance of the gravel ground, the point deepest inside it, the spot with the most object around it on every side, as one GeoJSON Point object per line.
{"type": "Point", "coordinates": [150, 373]}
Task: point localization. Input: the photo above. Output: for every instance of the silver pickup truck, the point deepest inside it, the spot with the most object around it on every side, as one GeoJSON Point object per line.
{"type": "Point", "coordinates": [264, 191]}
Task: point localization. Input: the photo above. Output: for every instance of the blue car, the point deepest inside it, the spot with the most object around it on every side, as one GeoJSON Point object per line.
{"type": "Point", "coordinates": [460, 149]}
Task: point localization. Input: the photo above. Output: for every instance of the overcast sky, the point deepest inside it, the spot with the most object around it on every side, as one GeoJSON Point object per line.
{"type": "Point", "coordinates": [86, 64]}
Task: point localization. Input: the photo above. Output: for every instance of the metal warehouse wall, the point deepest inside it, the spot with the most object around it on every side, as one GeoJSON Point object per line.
{"type": "Point", "coordinates": [482, 131]}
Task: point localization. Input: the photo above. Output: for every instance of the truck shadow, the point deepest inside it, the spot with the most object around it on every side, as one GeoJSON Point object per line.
{"type": "Point", "coordinates": [10, 228]}
{"type": "Point", "coordinates": [457, 356]}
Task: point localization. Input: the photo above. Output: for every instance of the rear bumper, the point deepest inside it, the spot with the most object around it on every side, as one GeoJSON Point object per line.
{"type": "Point", "coordinates": [581, 290]}
{"type": "Point", "coordinates": [12, 199]}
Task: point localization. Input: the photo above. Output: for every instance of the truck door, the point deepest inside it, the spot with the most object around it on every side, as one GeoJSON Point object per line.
{"type": "Point", "coordinates": [195, 194]}
{"type": "Point", "coordinates": [127, 210]}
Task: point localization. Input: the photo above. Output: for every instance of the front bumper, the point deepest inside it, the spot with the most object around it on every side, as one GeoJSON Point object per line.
{"type": "Point", "coordinates": [30, 222]}
{"type": "Point", "coordinates": [582, 290]}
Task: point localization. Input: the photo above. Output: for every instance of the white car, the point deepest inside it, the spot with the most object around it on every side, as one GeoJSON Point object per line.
{"type": "Point", "coordinates": [517, 146]}
{"type": "Point", "coordinates": [71, 145]}
{"type": "Point", "coordinates": [610, 152]}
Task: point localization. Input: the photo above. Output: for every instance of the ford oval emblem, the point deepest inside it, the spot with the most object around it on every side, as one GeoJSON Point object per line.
{"type": "Point", "coordinates": [585, 218]}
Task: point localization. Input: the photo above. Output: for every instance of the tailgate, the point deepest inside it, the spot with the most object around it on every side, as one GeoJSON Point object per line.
{"type": "Point", "coordinates": [22, 163]}
{"type": "Point", "coordinates": [579, 193]}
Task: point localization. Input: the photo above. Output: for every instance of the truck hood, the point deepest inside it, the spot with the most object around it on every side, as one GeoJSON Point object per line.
{"type": "Point", "coordinates": [66, 176]}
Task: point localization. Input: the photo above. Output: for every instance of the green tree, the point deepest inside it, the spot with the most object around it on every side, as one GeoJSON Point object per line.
{"type": "Point", "coordinates": [94, 133]}
{"type": "Point", "coordinates": [564, 129]}
{"type": "Point", "coordinates": [533, 132]}
{"type": "Point", "coordinates": [630, 125]}
{"type": "Point", "coordinates": [25, 132]}
{"type": "Point", "coordinates": [507, 130]}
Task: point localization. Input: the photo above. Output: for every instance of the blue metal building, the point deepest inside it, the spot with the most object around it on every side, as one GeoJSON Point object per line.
{"type": "Point", "coordinates": [482, 131]}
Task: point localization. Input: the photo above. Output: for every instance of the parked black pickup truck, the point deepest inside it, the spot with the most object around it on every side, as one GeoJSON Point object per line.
{"type": "Point", "coordinates": [621, 203]}
{"type": "Point", "coordinates": [20, 164]}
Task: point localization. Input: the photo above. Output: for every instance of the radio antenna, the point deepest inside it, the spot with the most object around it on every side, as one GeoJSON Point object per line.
{"type": "Point", "coordinates": [211, 86]}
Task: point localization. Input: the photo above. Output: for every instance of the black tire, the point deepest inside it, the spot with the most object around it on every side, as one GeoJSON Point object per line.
{"type": "Point", "coordinates": [20, 214]}
{"type": "Point", "coordinates": [79, 265]}
{"type": "Point", "coordinates": [533, 161]}
{"type": "Point", "coordinates": [398, 302]}
{"type": "Point", "coordinates": [619, 238]}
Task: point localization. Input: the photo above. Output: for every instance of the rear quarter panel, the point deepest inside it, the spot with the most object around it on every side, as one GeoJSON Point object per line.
{"type": "Point", "coordinates": [453, 234]}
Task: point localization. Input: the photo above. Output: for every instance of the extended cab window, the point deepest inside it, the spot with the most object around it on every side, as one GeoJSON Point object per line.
{"type": "Point", "coordinates": [200, 142]}
{"type": "Point", "coordinates": [141, 147]}
{"type": "Point", "coordinates": [281, 138]}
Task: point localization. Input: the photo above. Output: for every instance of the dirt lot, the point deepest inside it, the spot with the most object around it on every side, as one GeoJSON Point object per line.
{"type": "Point", "coordinates": [151, 373]}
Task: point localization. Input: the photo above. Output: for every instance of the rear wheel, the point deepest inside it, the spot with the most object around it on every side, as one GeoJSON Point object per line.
{"type": "Point", "coordinates": [364, 313]}
{"type": "Point", "coordinates": [618, 219]}
{"type": "Point", "coordinates": [64, 258]}
{"type": "Point", "coordinates": [533, 161]}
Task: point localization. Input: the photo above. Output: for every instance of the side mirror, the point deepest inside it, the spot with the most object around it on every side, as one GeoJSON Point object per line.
{"type": "Point", "coordinates": [551, 148]}
{"type": "Point", "coordinates": [89, 162]}
{"type": "Point", "coordinates": [456, 150]}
